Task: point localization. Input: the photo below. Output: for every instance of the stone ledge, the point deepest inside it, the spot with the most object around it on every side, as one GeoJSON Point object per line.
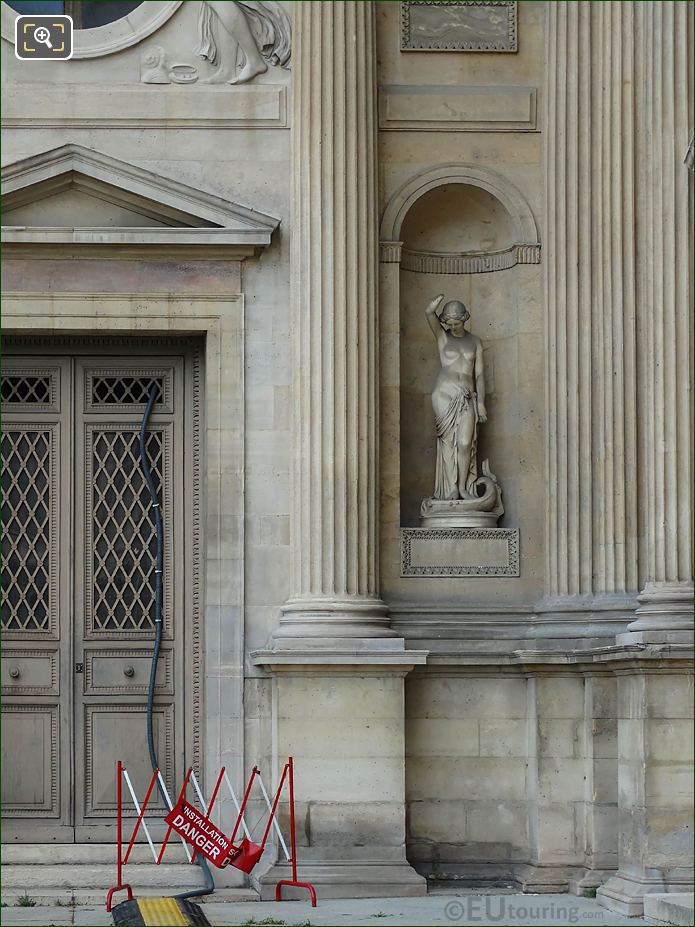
{"type": "Point", "coordinates": [137, 106]}
{"type": "Point", "coordinates": [676, 908]}
{"type": "Point", "coordinates": [346, 659]}
{"type": "Point", "coordinates": [615, 658]}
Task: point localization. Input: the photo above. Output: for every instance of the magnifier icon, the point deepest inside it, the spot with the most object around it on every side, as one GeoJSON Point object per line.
{"type": "Point", "coordinates": [43, 35]}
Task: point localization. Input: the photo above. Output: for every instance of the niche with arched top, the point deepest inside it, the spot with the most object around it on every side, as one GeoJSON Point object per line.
{"type": "Point", "coordinates": [457, 217]}
{"type": "Point", "coordinates": [459, 239]}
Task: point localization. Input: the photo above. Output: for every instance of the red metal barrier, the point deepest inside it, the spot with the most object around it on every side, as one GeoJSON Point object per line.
{"type": "Point", "coordinates": [196, 829]}
{"type": "Point", "coordinates": [289, 767]}
{"type": "Point", "coordinates": [120, 885]}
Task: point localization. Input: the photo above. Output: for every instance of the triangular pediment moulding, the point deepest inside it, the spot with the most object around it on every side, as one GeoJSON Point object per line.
{"type": "Point", "coordinates": [182, 216]}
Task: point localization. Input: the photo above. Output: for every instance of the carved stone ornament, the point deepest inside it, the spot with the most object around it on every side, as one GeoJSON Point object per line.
{"type": "Point", "coordinates": [469, 262]}
{"type": "Point", "coordinates": [462, 497]}
{"type": "Point", "coordinates": [238, 40]}
{"type": "Point", "coordinates": [458, 25]}
{"type": "Point", "coordinates": [464, 552]}
{"type": "Point", "coordinates": [154, 66]}
{"type": "Point", "coordinates": [242, 38]}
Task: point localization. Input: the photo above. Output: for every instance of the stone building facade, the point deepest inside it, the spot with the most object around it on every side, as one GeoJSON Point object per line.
{"type": "Point", "coordinates": [503, 699]}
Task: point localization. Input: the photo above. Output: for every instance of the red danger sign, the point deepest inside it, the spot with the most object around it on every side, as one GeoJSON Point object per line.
{"type": "Point", "coordinates": [202, 834]}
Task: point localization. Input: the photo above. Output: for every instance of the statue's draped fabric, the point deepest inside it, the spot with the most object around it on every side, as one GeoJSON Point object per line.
{"type": "Point", "coordinates": [269, 24]}
{"type": "Point", "coordinates": [446, 478]}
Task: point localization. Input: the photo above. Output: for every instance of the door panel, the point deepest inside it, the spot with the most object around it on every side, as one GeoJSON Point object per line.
{"type": "Point", "coordinates": [115, 732]}
{"type": "Point", "coordinates": [127, 672]}
{"type": "Point", "coordinates": [30, 775]}
{"type": "Point", "coordinates": [115, 542]}
{"type": "Point", "coordinates": [36, 595]}
{"type": "Point", "coordinates": [25, 672]}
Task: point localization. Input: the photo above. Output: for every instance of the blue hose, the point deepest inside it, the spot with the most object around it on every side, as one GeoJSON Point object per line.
{"type": "Point", "coordinates": [159, 568]}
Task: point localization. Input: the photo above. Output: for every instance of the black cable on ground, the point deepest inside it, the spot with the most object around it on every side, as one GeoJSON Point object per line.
{"type": "Point", "coordinates": [159, 570]}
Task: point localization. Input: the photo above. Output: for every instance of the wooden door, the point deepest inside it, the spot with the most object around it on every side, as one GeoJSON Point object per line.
{"type": "Point", "coordinates": [90, 644]}
{"type": "Point", "coordinates": [115, 548]}
{"type": "Point", "coordinates": [36, 599]}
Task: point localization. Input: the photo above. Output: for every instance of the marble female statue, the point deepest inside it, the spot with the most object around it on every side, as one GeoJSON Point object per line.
{"type": "Point", "coordinates": [259, 30]}
{"type": "Point", "coordinates": [458, 400]}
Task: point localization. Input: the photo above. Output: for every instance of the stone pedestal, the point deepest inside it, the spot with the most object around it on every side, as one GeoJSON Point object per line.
{"type": "Point", "coordinates": [597, 824]}
{"type": "Point", "coordinates": [555, 781]}
{"type": "Point", "coordinates": [341, 716]}
{"type": "Point", "coordinates": [655, 777]}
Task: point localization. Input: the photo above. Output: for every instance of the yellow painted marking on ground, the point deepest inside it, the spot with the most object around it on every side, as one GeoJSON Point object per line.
{"type": "Point", "coordinates": [161, 912]}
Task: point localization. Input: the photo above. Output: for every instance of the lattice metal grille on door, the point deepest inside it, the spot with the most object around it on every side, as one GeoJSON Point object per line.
{"type": "Point", "coordinates": [123, 534]}
{"type": "Point", "coordinates": [123, 390]}
{"type": "Point", "coordinates": [26, 529]}
{"type": "Point", "coordinates": [26, 389]}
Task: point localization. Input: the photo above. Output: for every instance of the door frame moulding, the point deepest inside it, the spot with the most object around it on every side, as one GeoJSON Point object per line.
{"type": "Point", "coordinates": [218, 580]}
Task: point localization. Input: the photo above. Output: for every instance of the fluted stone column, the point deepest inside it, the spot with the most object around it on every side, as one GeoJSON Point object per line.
{"type": "Point", "coordinates": [665, 322]}
{"type": "Point", "coordinates": [334, 301]}
{"type": "Point", "coordinates": [618, 344]}
{"type": "Point", "coordinates": [618, 327]}
{"type": "Point", "coordinates": [338, 669]}
{"type": "Point", "coordinates": [592, 520]}
{"type": "Point", "coordinates": [618, 427]}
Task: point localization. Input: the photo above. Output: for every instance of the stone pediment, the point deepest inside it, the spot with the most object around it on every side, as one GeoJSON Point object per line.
{"type": "Point", "coordinates": [77, 196]}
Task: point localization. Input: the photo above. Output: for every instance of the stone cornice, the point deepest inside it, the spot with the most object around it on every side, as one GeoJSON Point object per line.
{"type": "Point", "coordinates": [615, 659]}
{"type": "Point", "coordinates": [334, 661]}
{"type": "Point", "coordinates": [469, 262]}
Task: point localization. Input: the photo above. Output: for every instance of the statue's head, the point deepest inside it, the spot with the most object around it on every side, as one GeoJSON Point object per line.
{"type": "Point", "coordinates": [454, 316]}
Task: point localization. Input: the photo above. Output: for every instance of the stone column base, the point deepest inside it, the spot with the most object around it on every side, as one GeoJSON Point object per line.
{"type": "Point", "coordinates": [664, 616]}
{"type": "Point", "coordinates": [586, 883]}
{"type": "Point", "coordinates": [625, 893]}
{"type": "Point", "coordinates": [324, 620]}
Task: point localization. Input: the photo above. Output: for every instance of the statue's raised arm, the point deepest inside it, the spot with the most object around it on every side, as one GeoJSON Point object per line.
{"type": "Point", "coordinates": [433, 316]}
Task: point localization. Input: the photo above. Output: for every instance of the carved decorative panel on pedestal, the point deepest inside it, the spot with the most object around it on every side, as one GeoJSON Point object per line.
{"type": "Point", "coordinates": [459, 551]}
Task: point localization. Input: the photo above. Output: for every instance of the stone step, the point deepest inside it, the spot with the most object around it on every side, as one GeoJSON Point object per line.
{"type": "Point", "coordinates": [36, 854]}
{"type": "Point", "coordinates": [672, 908]}
{"type": "Point", "coordinates": [86, 875]}
{"type": "Point", "coordinates": [47, 895]}
{"type": "Point", "coordinates": [72, 873]}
